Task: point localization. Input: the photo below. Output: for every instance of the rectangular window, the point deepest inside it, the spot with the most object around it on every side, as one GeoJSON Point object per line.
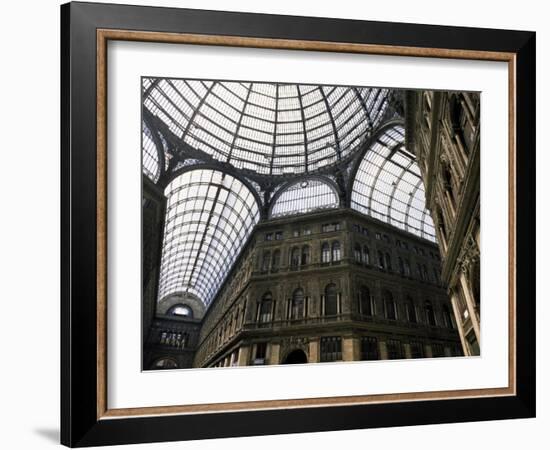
{"type": "Point", "coordinates": [331, 349]}
{"type": "Point", "coordinates": [295, 233]}
{"type": "Point", "coordinates": [437, 351]}
{"type": "Point", "coordinates": [269, 236]}
{"type": "Point", "coordinates": [417, 350]}
{"type": "Point", "coordinates": [307, 231]}
{"type": "Point", "coordinates": [356, 228]}
{"type": "Point", "coordinates": [394, 349]}
{"type": "Point", "coordinates": [261, 349]}
{"type": "Point", "coordinates": [235, 358]}
{"type": "Point", "coordinates": [278, 235]}
{"type": "Point", "coordinates": [378, 236]}
{"type": "Point", "coordinates": [365, 231]}
{"type": "Point", "coordinates": [369, 348]}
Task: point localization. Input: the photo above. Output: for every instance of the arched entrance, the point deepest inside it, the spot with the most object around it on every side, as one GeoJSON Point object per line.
{"type": "Point", "coordinates": [296, 357]}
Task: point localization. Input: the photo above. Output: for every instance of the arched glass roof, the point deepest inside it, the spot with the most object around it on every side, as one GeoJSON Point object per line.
{"type": "Point", "coordinates": [269, 128]}
{"type": "Point", "coordinates": [305, 196]}
{"type": "Point", "coordinates": [209, 216]}
{"type": "Point", "coordinates": [388, 186]}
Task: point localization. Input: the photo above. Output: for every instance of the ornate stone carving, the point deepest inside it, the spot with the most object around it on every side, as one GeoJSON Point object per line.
{"type": "Point", "coordinates": [294, 343]}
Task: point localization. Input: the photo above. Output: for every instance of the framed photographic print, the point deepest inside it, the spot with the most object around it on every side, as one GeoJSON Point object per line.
{"type": "Point", "coordinates": [276, 224]}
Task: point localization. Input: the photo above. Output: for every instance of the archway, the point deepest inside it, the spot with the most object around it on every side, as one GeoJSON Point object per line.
{"type": "Point", "coordinates": [296, 357]}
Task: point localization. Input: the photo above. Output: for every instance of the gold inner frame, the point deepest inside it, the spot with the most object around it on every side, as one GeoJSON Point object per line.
{"type": "Point", "coordinates": [104, 35]}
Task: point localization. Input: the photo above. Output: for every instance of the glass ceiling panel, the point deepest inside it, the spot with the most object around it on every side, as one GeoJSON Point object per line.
{"type": "Point", "coordinates": [272, 128]}
{"type": "Point", "coordinates": [150, 164]}
{"type": "Point", "coordinates": [388, 186]}
{"type": "Point", "coordinates": [209, 216]}
{"type": "Point", "coordinates": [305, 196]}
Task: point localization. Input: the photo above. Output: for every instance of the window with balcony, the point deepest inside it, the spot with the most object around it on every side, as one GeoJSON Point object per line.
{"type": "Point", "coordinates": [297, 304]}
{"type": "Point", "coordinates": [325, 253]}
{"type": "Point", "coordinates": [365, 302]}
{"type": "Point", "coordinates": [305, 255]}
{"type": "Point", "coordinates": [411, 310]}
{"type": "Point", "coordinates": [266, 307]}
{"type": "Point", "coordinates": [430, 314]}
{"type": "Point", "coordinates": [389, 305]}
{"type": "Point", "coordinates": [357, 253]}
{"type": "Point", "coordinates": [331, 300]}
{"type": "Point", "coordinates": [336, 252]}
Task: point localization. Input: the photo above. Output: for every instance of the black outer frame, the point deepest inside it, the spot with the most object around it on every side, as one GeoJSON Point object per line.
{"type": "Point", "coordinates": [79, 424]}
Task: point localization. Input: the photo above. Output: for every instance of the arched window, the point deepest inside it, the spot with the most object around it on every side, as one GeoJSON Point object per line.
{"type": "Point", "coordinates": [447, 317]}
{"type": "Point", "coordinates": [265, 308]}
{"type": "Point", "coordinates": [357, 253]}
{"type": "Point", "coordinates": [336, 254]}
{"type": "Point", "coordinates": [331, 300]}
{"type": "Point", "coordinates": [181, 310]}
{"type": "Point", "coordinates": [165, 363]}
{"type": "Point", "coordinates": [304, 196]}
{"type": "Point", "coordinates": [276, 260]}
{"type": "Point", "coordinates": [265, 261]}
{"type": "Point", "coordinates": [305, 255]}
{"type": "Point", "coordinates": [366, 255]}
{"type": "Point", "coordinates": [325, 253]}
{"type": "Point", "coordinates": [388, 261]}
{"type": "Point", "coordinates": [295, 257]}
{"type": "Point", "coordinates": [401, 265]}
{"type": "Point", "coordinates": [411, 310]}
{"type": "Point", "coordinates": [430, 315]}
{"type": "Point", "coordinates": [365, 302]}
{"type": "Point", "coordinates": [381, 260]}
{"type": "Point", "coordinates": [389, 305]}
{"type": "Point", "coordinates": [297, 304]}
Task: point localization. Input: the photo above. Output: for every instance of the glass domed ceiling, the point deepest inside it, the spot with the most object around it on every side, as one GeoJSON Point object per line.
{"type": "Point", "coordinates": [268, 128]}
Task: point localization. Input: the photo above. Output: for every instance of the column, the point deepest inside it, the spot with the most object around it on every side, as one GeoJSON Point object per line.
{"type": "Point", "coordinates": [470, 303]}
{"type": "Point", "coordinates": [383, 349]}
{"type": "Point", "coordinates": [428, 351]}
{"type": "Point", "coordinates": [274, 353]}
{"type": "Point", "coordinates": [244, 355]}
{"type": "Point", "coordinates": [314, 351]}
{"type": "Point", "coordinates": [407, 350]}
{"type": "Point", "coordinates": [458, 320]}
{"type": "Point", "coordinates": [350, 349]}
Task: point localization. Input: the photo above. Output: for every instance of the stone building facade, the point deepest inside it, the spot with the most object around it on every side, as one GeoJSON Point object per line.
{"type": "Point", "coordinates": [442, 129]}
{"type": "Point", "coordinates": [321, 287]}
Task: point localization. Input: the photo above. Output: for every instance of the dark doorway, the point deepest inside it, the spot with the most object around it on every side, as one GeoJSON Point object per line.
{"type": "Point", "coordinates": [296, 357]}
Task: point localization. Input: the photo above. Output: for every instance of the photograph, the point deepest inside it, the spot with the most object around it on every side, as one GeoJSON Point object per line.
{"type": "Point", "coordinates": [294, 223]}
